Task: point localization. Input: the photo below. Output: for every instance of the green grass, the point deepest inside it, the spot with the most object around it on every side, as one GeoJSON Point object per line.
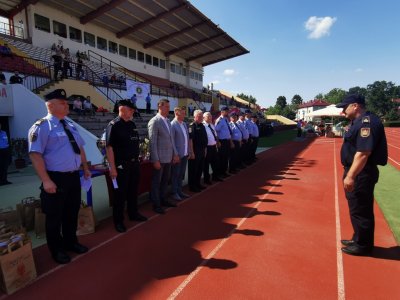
{"type": "Point", "coordinates": [387, 194]}
{"type": "Point", "coordinates": [277, 138]}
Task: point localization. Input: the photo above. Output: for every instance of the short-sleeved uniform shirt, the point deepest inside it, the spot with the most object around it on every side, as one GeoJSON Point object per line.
{"type": "Point", "coordinates": [47, 137]}
{"type": "Point", "coordinates": [222, 128]}
{"type": "Point", "coordinates": [3, 140]}
{"type": "Point", "coordinates": [366, 134]}
{"type": "Point", "coordinates": [198, 134]}
{"type": "Point", "coordinates": [123, 137]}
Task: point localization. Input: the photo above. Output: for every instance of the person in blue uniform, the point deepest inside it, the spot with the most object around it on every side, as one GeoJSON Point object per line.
{"type": "Point", "coordinates": [56, 151]}
{"type": "Point", "coordinates": [234, 159]}
{"type": "Point", "coordinates": [5, 157]}
{"type": "Point", "coordinates": [225, 139]}
{"type": "Point", "coordinates": [122, 147]}
{"type": "Point", "coordinates": [197, 144]}
{"type": "Point", "coordinates": [255, 134]}
{"type": "Point", "coordinates": [364, 148]}
{"type": "Point", "coordinates": [244, 149]}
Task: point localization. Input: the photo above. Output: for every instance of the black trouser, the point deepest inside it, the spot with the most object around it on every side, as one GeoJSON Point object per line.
{"type": "Point", "coordinates": [234, 157]}
{"type": "Point", "coordinates": [66, 68]}
{"type": "Point", "coordinates": [254, 146]}
{"type": "Point", "coordinates": [224, 152]}
{"type": "Point", "coordinates": [211, 159]}
{"type": "Point", "coordinates": [195, 168]}
{"type": "Point", "coordinates": [244, 151]}
{"type": "Point", "coordinates": [361, 205]}
{"type": "Point", "coordinates": [61, 209]}
{"type": "Point", "coordinates": [148, 106]}
{"type": "Point", "coordinates": [5, 158]}
{"type": "Point", "coordinates": [127, 191]}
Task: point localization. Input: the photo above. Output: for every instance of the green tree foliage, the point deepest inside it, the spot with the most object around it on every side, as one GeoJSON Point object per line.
{"type": "Point", "coordinates": [358, 90]}
{"type": "Point", "coordinates": [281, 102]}
{"type": "Point", "coordinates": [249, 98]}
{"type": "Point", "coordinates": [335, 96]}
{"type": "Point", "coordinates": [297, 99]}
{"type": "Point", "coordinates": [319, 96]}
{"type": "Point", "coordinates": [379, 97]}
{"type": "Point", "coordinates": [273, 110]}
{"type": "Point", "coordinates": [289, 112]}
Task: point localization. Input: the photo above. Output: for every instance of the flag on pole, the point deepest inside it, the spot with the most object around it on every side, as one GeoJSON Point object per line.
{"type": "Point", "coordinates": [141, 89]}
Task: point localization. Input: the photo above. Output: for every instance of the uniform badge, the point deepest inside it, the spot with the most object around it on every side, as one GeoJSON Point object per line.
{"type": "Point", "coordinates": [366, 119]}
{"type": "Point", "coordinates": [364, 132]}
{"type": "Point", "coordinates": [190, 129]}
{"type": "Point", "coordinates": [33, 137]}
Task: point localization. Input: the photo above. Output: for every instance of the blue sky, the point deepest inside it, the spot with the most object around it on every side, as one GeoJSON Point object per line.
{"type": "Point", "coordinates": [305, 47]}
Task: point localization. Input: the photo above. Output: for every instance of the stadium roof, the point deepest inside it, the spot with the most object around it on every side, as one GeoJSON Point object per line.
{"type": "Point", "coordinates": [174, 27]}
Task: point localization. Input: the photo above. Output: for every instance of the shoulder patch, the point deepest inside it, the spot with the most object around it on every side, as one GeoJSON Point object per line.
{"type": "Point", "coordinates": [364, 132]}
{"type": "Point", "coordinates": [33, 137]}
{"type": "Point", "coordinates": [366, 119]}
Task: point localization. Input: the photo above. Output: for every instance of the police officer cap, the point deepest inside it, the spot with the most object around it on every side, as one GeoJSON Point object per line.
{"type": "Point", "coordinates": [254, 116]}
{"type": "Point", "coordinates": [241, 113]}
{"type": "Point", "coordinates": [126, 103]}
{"type": "Point", "coordinates": [225, 108]}
{"type": "Point", "coordinates": [247, 111]}
{"type": "Point", "coordinates": [350, 99]}
{"type": "Point", "coordinates": [56, 94]}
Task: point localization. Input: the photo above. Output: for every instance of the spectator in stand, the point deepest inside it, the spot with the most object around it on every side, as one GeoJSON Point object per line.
{"type": "Point", "coordinates": [2, 78]}
{"type": "Point", "coordinates": [84, 55]}
{"type": "Point", "coordinates": [148, 104]}
{"type": "Point", "coordinates": [57, 64]}
{"type": "Point", "coordinates": [134, 99]}
{"type": "Point", "coordinates": [5, 157]}
{"type": "Point", "coordinates": [53, 47]}
{"type": "Point", "coordinates": [6, 51]}
{"type": "Point", "coordinates": [105, 79]}
{"type": "Point", "coordinates": [66, 65]}
{"type": "Point", "coordinates": [78, 54]}
{"type": "Point", "coordinates": [190, 109]}
{"type": "Point", "coordinates": [88, 107]}
{"type": "Point", "coordinates": [79, 70]}
{"type": "Point", "coordinates": [77, 106]}
{"type": "Point", "coordinates": [16, 79]}
{"type": "Point", "coordinates": [113, 79]}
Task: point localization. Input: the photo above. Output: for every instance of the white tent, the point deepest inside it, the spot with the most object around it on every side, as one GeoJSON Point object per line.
{"type": "Point", "coordinates": [329, 111]}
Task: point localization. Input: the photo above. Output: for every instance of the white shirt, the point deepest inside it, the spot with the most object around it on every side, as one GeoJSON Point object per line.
{"type": "Point", "coordinates": [210, 136]}
{"type": "Point", "coordinates": [186, 137]}
{"type": "Point", "coordinates": [166, 121]}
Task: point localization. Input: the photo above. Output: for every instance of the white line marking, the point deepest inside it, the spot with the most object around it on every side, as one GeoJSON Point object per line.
{"type": "Point", "coordinates": [339, 256]}
{"type": "Point", "coordinates": [396, 162]}
{"type": "Point", "coordinates": [393, 146]}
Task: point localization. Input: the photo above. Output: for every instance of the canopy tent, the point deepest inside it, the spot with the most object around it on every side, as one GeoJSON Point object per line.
{"type": "Point", "coordinates": [329, 111]}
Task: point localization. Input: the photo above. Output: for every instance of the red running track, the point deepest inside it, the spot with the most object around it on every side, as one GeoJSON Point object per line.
{"type": "Point", "coordinates": [270, 232]}
{"type": "Point", "coordinates": [393, 140]}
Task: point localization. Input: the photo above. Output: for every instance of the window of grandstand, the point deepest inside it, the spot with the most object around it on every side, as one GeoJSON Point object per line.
{"type": "Point", "coordinates": [173, 68]}
{"type": "Point", "coordinates": [89, 39]}
{"type": "Point", "coordinates": [200, 77]}
{"type": "Point", "coordinates": [75, 34]}
{"type": "Point", "coordinates": [112, 47]}
{"type": "Point", "coordinates": [132, 53]}
{"type": "Point", "coordinates": [123, 51]}
{"type": "Point", "coordinates": [101, 43]}
{"type": "Point", "coordinates": [148, 59]}
{"type": "Point", "coordinates": [178, 69]}
{"type": "Point", "coordinates": [192, 74]}
{"type": "Point", "coordinates": [162, 63]}
{"type": "Point", "coordinates": [140, 56]}
{"type": "Point", "coordinates": [184, 72]}
{"type": "Point", "coordinates": [156, 62]}
{"type": "Point", "coordinates": [60, 29]}
{"type": "Point", "coordinates": [196, 76]}
{"type": "Point", "coordinates": [42, 23]}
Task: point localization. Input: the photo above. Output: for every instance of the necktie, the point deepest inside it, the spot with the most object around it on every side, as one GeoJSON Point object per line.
{"type": "Point", "coordinates": [229, 127]}
{"type": "Point", "coordinates": [212, 131]}
{"type": "Point", "coordinates": [70, 137]}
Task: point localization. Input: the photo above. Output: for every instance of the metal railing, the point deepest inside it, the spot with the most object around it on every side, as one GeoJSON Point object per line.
{"type": "Point", "coordinates": [11, 30]}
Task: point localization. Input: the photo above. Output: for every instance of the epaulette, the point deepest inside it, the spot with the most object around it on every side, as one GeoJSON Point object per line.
{"type": "Point", "coordinates": [39, 122]}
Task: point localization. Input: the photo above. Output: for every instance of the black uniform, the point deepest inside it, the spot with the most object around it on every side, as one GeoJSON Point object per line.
{"type": "Point", "coordinates": [198, 134]}
{"type": "Point", "coordinates": [365, 134]}
{"type": "Point", "coordinates": [123, 137]}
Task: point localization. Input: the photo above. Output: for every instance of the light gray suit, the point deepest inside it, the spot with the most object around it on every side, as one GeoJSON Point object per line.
{"type": "Point", "coordinates": [178, 170]}
{"type": "Point", "coordinates": [162, 149]}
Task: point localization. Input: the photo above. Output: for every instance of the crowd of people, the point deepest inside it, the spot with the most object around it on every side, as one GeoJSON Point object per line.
{"type": "Point", "coordinates": [63, 63]}
{"type": "Point", "coordinates": [14, 79]}
{"type": "Point", "coordinates": [83, 107]}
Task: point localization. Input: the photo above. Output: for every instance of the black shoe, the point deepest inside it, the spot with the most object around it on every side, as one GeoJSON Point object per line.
{"type": "Point", "coordinates": [61, 257]}
{"type": "Point", "coordinates": [168, 204]}
{"type": "Point", "coordinates": [194, 190]}
{"type": "Point", "coordinates": [347, 242]}
{"type": "Point", "coordinates": [77, 248]}
{"type": "Point", "coordinates": [183, 195]}
{"type": "Point", "coordinates": [120, 227]}
{"type": "Point", "coordinates": [138, 217]}
{"type": "Point", "coordinates": [217, 179]}
{"type": "Point", "coordinates": [357, 250]}
{"type": "Point", "coordinates": [159, 210]}
{"type": "Point", "coordinates": [201, 187]}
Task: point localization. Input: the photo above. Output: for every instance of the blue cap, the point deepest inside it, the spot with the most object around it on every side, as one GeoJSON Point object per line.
{"type": "Point", "coordinates": [352, 98]}
{"type": "Point", "coordinates": [247, 111]}
{"type": "Point", "coordinates": [56, 94]}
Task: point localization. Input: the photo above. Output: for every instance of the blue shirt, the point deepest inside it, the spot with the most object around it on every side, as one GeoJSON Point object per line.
{"type": "Point", "coordinates": [48, 137]}
{"type": "Point", "coordinates": [3, 140]}
{"type": "Point", "coordinates": [243, 129]}
{"type": "Point", "coordinates": [255, 132]}
{"type": "Point", "coordinates": [236, 133]}
{"type": "Point", "coordinates": [222, 128]}
{"type": "Point", "coordinates": [148, 99]}
{"type": "Point", "coordinates": [249, 126]}
{"type": "Point", "coordinates": [134, 99]}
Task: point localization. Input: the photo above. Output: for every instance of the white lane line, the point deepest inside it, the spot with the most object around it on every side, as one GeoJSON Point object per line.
{"type": "Point", "coordinates": [193, 274]}
{"type": "Point", "coordinates": [393, 146]}
{"type": "Point", "coordinates": [339, 255]}
{"type": "Point", "coordinates": [395, 161]}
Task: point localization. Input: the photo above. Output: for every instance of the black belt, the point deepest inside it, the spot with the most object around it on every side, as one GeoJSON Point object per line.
{"type": "Point", "coordinates": [63, 173]}
{"type": "Point", "coordinates": [132, 160]}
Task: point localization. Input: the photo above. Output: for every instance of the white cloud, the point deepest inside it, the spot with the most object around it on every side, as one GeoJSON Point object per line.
{"type": "Point", "coordinates": [359, 70]}
{"type": "Point", "coordinates": [230, 72]}
{"type": "Point", "coordinates": [319, 27]}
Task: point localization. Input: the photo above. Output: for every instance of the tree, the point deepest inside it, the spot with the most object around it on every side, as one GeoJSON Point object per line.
{"type": "Point", "coordinates": [335, 96]}
{"type": "Point", "coordinates": [358, 90]}
{"type": "Point", "coordinates": [319, 96]}
{"type": "Point", "coordinates": [297, 99]}
{"type": "Point", "coordinates": [289, 112]}
{"type": "Point", "coordinates": [281, 102]}
{"type": "Point", "coordinates": [273, 110]}
{"type": "Point", "coordinates": [249, 98]}
{"type": "Point", "coordinates": [379, 97]}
